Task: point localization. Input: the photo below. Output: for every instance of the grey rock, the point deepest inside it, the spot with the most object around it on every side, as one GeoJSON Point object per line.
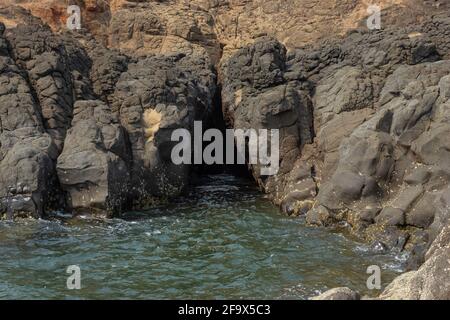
{"type": "Point", "coordinates": [379, 247]}
{"type": "Point", "coordinates": [391, 217]}
{"type": "Point", "coordinates": [431, 281]}
{"type": "Point", "coordinates": [320, 216]}
{"type": "Point", "coordinates": [84, 108]}
{"type": "Point", "coordinates": [418, 176]}
{"type": "Point", "coordinates": [343, 293]}
{"type": "Point", "coordinates": [38, 51]}
{"type": "Point", "coordinates": [442, 213]}
{"type": "Point", "coordinates": [392, 237]}
{"type": "Point", "coordinates": [27, 173]}
{"type": "Point", "coordinates": [422, 215]}
{"type": "Point", "coordinates": [154, 97]}
{"type": "Point", "coordinates": [93, 167]}
{"type": "Point", "coordinates": [348, 89]}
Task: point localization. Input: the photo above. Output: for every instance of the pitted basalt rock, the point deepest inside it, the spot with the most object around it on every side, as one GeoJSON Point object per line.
{"type": "Point", "coordinates": [93, 167]}
{"type": "Point", "coordinates": [431, 281]}
{"type": "Point", "coordinates": [27, 183]}
{"type": "Point", "coordinates": [42, 55]}
{"type": "Point", "coordinates": [154, 97]}
{"type": "Point", "coordinates": [363, 115]}
{"type": "Point", "coordinates": [374, 153]}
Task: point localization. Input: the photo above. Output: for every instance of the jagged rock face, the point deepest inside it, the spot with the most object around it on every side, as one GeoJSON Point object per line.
{"type": "Point", "coordinates": [343, 293]}
{"type": "Point", "coordinates": [160, 27]}
{"type": "Point", "coordinates": [41, 55]}
{"type": "Point", "coordinates": [330, 101]}
{"type": "Point", "coordinates": [362, 127]}
{"type": "Point", "coordinates": [260, 92]}
{"type": "Point", "coordinates": [86, 120]}
{"type": "Point", "coordinates": [88, 128]}
{"type": "Point", "coordinates": [93, 167]}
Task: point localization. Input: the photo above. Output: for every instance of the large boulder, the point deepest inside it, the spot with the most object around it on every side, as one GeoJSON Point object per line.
{"type": "Point", "coordinates": [154, 97]}
{"type": "Point", "coordinates": [93, 167]}
{"type": "Point", "coordinates": [362, 123]}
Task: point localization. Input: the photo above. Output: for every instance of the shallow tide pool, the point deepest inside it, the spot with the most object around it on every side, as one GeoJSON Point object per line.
{"type": "Point", "coordinates": [223, 241]}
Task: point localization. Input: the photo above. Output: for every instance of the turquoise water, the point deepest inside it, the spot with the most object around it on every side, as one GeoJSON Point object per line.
{"type": "Point", "coordinates": [223, 241]}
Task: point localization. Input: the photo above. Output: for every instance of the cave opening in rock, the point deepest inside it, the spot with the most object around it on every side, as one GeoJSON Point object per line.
{"type": "Point", "coordinates": [218, 122]}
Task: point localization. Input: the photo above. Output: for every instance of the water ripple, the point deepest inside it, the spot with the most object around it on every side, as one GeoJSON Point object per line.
{"type": "Point", "coordinates": [223, 241]}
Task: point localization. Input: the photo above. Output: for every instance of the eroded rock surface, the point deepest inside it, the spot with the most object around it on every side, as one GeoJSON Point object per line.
{"type": "Point", "coordinates": [362, 126]}
{"type": "Point", "coordinates": [87, 128]}
{"type": "Point", "coordinates": [431, 281]}
{"type": "Point", "coordinates": [219, 28]}
{"type": "Point", "coordinates": [153, 98]}
{"type": "Point", "coordinates": [27, 170]}
{"type": "Point", "coordinates": [338, 294]}
{"type": "Point", "coordinates": [94, 168]}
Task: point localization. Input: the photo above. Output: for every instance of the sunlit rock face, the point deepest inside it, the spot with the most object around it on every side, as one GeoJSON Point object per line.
{"type": "Point", "coordinates": [219, 28]}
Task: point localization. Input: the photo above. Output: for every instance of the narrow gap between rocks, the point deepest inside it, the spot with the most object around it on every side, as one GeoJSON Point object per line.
{"type": "Point", "coordinates": [218, 122]}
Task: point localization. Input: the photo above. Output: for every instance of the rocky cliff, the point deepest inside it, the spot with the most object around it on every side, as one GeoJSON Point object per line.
{"type": "Point", "coordinates": [217, 27]}
{"type": "Point", "coordinates": [86, 115]}
{"type": "Point", "coordinates": [86, 127]}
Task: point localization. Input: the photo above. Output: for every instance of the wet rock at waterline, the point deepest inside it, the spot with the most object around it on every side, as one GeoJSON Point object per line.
{"type": "Point", "coordinates": [431, 281]}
